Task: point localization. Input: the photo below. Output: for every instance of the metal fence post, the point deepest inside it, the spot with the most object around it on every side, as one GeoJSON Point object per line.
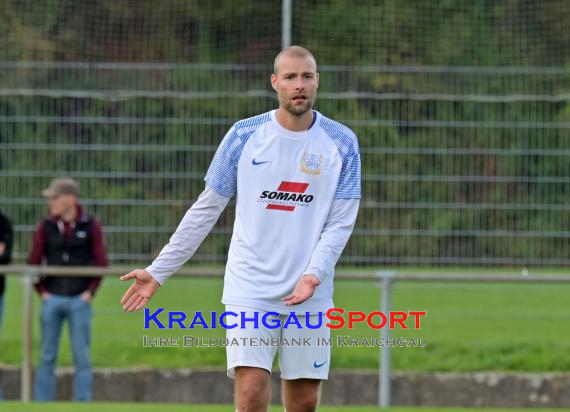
{"type": "Point", "coordinates": [26, 377]}
{"type": "Point", "coordinates": [286, 23]}
{"type": "Point", "coordinates": [386, 279]}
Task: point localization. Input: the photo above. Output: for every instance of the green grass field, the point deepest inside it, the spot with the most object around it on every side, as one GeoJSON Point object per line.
{"type": "Point", "coordinates": [469, 326]}
{"type": "Point", "coordinates": [126, 407]}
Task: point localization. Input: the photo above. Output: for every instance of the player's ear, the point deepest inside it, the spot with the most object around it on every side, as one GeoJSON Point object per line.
{"type": "Point", "coordinates": [274, 81]}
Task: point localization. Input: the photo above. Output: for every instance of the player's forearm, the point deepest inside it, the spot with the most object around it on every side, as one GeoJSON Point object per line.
{"type": "Point", "coordinates": [191, 232]}
{"type": "Point", "coordinates": [334, 237]}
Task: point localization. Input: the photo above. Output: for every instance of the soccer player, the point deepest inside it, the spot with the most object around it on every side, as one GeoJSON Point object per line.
{"type": "Point", "coordinates": [296, 175]}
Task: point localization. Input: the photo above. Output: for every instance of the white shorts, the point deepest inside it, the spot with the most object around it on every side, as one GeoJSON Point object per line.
{"type": "Point", "coordinates": [303, 352]}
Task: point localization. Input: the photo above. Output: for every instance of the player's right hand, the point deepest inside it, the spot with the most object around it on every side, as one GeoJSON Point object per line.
{"type": "Point", "coordinates": [140, 292]}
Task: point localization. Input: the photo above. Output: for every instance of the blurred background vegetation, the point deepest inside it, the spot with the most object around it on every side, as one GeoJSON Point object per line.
{"type": "Point", "coordinates": [461, 107]}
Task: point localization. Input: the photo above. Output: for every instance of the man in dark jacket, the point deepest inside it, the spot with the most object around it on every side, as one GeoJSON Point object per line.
{"type": "Point", "coordinates": [6, 242]}
{"type": "Point", "coordinates": [68, 237]}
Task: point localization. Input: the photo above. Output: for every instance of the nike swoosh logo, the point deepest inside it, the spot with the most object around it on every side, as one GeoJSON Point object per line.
{"type": "Point", "coordinates": [253, 162]}
{"type": "Point", "coordinates": [318, 365]}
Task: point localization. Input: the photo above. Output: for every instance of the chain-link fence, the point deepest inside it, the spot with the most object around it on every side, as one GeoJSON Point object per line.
{"type": "Point", "coordinates": [464, 124]}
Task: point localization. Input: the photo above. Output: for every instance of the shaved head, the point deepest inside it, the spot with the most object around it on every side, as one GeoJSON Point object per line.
{"type": "Point", "coordinates": [295, 79]}
{"type": "Point", "coordinates": [293, 51]}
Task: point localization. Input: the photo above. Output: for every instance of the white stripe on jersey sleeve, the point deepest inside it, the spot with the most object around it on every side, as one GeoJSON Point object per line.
{"type": "Point", "coordinates": [222, 173]}
{"type": "Point", "coordinates": [347, 144]}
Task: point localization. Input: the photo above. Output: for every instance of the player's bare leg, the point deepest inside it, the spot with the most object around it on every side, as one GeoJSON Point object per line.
{"type": "Point", "coordinates": [301, 395]}
{"type": "Point", "coordinates": [253, 389]}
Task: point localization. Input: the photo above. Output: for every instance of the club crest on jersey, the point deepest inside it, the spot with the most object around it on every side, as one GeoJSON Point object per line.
{"type": "Point", "coordinates": [311, 163]}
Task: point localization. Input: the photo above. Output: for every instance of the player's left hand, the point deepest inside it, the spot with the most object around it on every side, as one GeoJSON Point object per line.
{"type": "Point", "coordinates": [304, 289]}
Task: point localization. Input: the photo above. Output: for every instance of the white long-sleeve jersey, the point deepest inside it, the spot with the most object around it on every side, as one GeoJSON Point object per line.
{"type": "Point", "coordinates": [297, 200]}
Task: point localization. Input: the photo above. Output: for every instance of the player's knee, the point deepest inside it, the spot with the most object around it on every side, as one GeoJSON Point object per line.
{"type": "Point", "coordinates": [306, 403]}
{"type": "Point", "coordinates": [252, 389]}
{"type": "Point", "coordinates": [251, 399]}
{"type": "Point", "coordinates": [252, 393]}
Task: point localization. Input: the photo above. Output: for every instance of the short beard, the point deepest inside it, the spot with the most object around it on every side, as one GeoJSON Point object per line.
{"type": "Point", "coordinates": [298, 111]}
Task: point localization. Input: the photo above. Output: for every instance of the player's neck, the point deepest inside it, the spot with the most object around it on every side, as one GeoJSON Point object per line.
{"type": "Point", "coordinates": [294, 123]}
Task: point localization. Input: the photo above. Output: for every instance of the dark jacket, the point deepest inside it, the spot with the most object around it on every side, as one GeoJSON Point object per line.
{"type": "Point", "coordinates": [59, 243]}
{"type": "Point", "coordinates": [6, 237]}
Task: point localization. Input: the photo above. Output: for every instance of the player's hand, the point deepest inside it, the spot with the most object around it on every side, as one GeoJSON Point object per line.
{"type": "Point", "coordinates": [304, 289]}
{"type": "Point", "coordinates": [140, 292]}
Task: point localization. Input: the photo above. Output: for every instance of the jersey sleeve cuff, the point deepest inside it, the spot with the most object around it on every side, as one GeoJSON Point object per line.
{"type": "Point", "coordinates": [155, 276]}
{"type": "Point", "coordinates": [318, 273]}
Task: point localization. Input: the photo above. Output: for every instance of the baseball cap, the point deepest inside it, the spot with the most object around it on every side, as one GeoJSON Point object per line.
{"type": "Point", "coordinates": [61, 186]}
